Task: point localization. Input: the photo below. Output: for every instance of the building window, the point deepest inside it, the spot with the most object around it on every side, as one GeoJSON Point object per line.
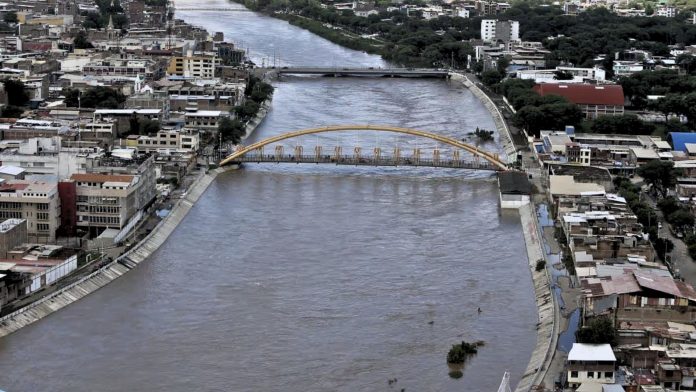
{"type": "Point", "coordinates": [608, 374]}
{"type": "Point", "coordinates": [42, 216]}
{"type": "Point", "coordinates": [574, 374]}
{"type": "Point", "coordinates": [42, 227]}
{"type": "Point", "coordinates": [590, 374]}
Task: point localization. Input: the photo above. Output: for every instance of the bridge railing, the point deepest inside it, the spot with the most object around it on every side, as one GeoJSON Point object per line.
{"type": "Point", "coordinates": [351, 160]}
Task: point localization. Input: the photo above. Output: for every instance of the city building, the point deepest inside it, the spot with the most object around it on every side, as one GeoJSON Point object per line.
{"type": "Point", "coordinates": [593, 100]}
{"type": "Point", "coordinates": [35, 201]}
{"type": "Point", "coordinates": [113, 195]}
{"type": "Point", "coordinates": [494, 31]}
{"type": "Point", "coordinates": [591, 363]}
{"type": "Point", "coordinates": [193, 65]}
{"type": "Point", "coordinates": [168, 140]}
{"type": "Point", "coordinates": [579, 75]}
{"type": "Point", "coordinates": [13, 232]}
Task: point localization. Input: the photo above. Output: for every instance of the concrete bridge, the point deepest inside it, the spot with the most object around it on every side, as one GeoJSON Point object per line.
{"type": "Point", "coordinates": [371, 71]}
{"type": "Point", "coordinates": [478, 159]}
{"type": "Point", "coordinates": [213, 9]}
{"type": "Point", "coordinates": [369, 160]}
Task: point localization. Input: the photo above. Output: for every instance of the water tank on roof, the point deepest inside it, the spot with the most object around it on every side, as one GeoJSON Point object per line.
{"type": "Point", "coordinates": [570, 130]}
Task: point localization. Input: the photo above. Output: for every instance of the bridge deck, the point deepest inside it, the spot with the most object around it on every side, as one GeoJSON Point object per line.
{"type": "Point", "coordinates": [368, 161]}
{"type": "Point", "coordinates": [342, 71]}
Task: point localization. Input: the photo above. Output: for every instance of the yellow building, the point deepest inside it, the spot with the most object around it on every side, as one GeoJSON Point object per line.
{"type": "Point", "coordinates": [193, 65]}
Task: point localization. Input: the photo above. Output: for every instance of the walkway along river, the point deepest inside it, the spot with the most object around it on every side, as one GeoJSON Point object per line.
{"type": "Point", "coordinates": [309, 278]}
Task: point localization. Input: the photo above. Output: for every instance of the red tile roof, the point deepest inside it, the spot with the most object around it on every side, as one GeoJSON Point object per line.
{"type": "Point", "coordinates": [587, 94]}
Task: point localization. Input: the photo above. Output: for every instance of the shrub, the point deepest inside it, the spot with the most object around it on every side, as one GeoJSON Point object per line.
{"type": "Point", "coordinates": [459, 352]}
{"type": "Point", "coordinates": [540, 265]}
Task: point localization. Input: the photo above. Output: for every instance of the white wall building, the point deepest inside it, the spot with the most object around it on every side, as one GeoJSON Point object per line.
{"type": "Point", "coordinates": [580, 75]}
{"type": "Point", "coordinates": [493, 30]}
{"type": "Point", "coordinates": [666, 11]}
{"type": "Point", "coordinates": [591, 362]}
{"type": "Point", "coordinates": [168, 140]}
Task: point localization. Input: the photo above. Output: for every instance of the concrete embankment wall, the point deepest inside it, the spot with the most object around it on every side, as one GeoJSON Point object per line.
{"type": "Point", "coordinates": [260, 116]}
{"type": "Point", "coordinates": [547, 326]}
{"type": "Point", "coordinates": [98, 279]}
{"type": "Point", "coordinates": [500, 124]}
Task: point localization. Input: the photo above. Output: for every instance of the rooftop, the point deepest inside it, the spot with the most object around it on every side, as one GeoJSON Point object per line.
{"type": "Point", "coordinates": [591, 352]}
{"type": "Point", "coordinates": [101, 178]}
{"type": "Point", "coordinates": [584, 93]}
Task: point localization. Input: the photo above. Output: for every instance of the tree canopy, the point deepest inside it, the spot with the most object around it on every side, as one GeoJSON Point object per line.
{"type": "Point", "coordinates": [599, 330]}
{"type": "Point", "coordinates": [17, 94]}
{"type": "Point", "coordinates": [659, 174]}
{"type": "Point", "coordinates": [94, 97]}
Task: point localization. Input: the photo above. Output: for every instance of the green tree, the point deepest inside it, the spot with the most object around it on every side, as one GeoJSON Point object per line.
{"type": "Point", "coordinates": [80, 41]}
{"type": "Point", "coordinates": [247, 110]}
{"type": "Point", "coordinates": [562, 75]}
{"type": "Point", "coordinates": [659, 174]}
{"type": "Point", "coordinates": [682, 220]}
{"type": "Point", "coordinates": [491, 78]}
{"type": "Point", "coordinates": [12, 111]}
{"type": "Point", "coordinates": [10, 17]}
{"type": "Point", "coordinates": [17, 94]}
{"type": "Point", "coordinates": [231, 130]}
{"type": "Point", "coordinates": [94, 97]}
{"type": "Point", "coordinates": [599, 330]}
{"type": "Point", "coordinates": [626, 123]}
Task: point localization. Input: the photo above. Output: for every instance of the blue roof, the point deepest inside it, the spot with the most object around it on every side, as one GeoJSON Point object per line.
{"type": "Point", "coordinates": [679, 139]}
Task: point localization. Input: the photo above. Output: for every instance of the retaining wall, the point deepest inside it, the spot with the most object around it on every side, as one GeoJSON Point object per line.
{"type": "Point", "coordinates": [98, 279]}
{"type": "Point", "coordinates": [547, 326]}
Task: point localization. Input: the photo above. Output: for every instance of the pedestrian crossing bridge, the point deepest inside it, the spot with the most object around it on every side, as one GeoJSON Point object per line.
{"type": "Point", "coordinates": [473, 158]}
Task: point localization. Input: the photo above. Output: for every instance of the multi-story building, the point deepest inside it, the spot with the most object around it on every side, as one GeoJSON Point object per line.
{"type": "Point", "coordinates": [114, 195]}
{"type": "Point", "coordinates": [580, 75]}
{"type": "Point", "coordinates": [146, 68]}
{"type": "Point", "coordinates": [204, 119]}
{"type": "Point", "coordinates": [47, 156]}
{"type": "Point", "coordinates": [168, 140]}
{"type": "Point", "coordinates": [593, 100]}
{"type": "Point", "coordinates": [35, 201]}
{"type": "Point", "coordinates": [493, 30]}
{"type": "Point", "coordinates": [666, 11]}
{"type": "Point", "coordinates": [104, 200]}
{"type": "Point", "coordinates": [193, 65]}
{"type": "Point", "coordinates": [591, 363]}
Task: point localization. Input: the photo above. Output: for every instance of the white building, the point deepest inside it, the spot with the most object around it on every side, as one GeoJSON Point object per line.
{"type": "Point", "coordinates": [204, 119]}
{"type": "Point", "coordinates": [493, 30]}
{"type": "Point", "coordinates": [462, 12]}
{"type": "Point", "coordinates": [626, 68]}
{"type": "Point", "coordinates": [47, 156]}
{"type": "Point", "coordinates": [591, 363]}
{"type": "Point", "coordinates": [666, 11]}
{"type": "Point", "coordinates": [580, 75]}
{"type": "Point", "coordinates": [168, 140]}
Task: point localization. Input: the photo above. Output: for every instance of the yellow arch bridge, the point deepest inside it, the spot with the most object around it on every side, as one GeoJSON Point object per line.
{"type": "Point", "coordinates": [482, 160]}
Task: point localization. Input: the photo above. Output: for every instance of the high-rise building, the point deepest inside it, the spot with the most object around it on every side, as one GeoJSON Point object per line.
{"type": "Point", "coordinates": [493, 30]}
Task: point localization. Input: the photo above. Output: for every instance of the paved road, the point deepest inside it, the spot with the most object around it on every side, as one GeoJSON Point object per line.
{"type": "Point", "coordinates": [680, 254]}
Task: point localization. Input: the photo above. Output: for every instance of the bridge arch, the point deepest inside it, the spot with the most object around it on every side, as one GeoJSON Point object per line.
{"type": "Point", "coordinates": [490, 157]}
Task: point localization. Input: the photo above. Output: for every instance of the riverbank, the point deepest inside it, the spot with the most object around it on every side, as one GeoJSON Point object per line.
{"type": "Point", "coordinates": [500, 123]}
{"type": "Point", "coordinates": [548, 312]}
{"type": "Point", "coordinates": [107, 274]}
{"type": "Point", "coordinates": [254, 123]}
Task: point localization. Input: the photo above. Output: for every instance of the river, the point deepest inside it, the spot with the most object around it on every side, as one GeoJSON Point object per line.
{"type": "Point", "coordinates": [309, 278]}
